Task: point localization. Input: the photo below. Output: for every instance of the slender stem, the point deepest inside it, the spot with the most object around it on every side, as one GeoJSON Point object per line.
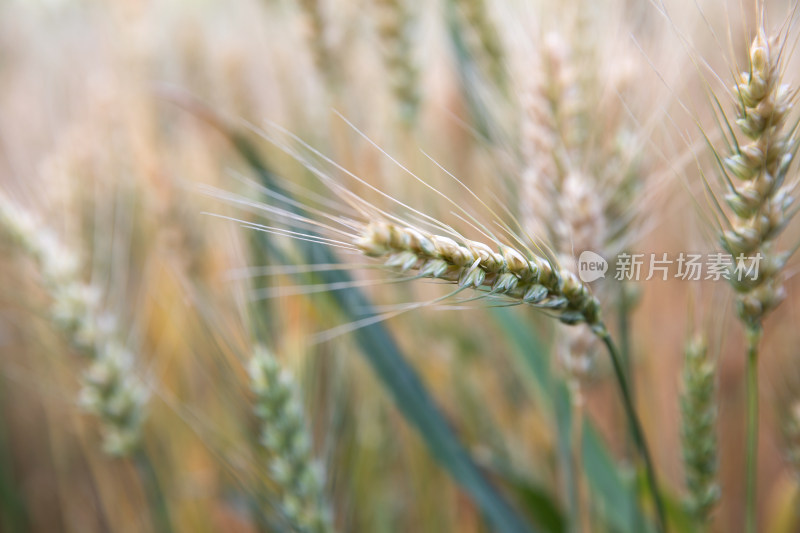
{"type": "Point", "coordinates": [566, 443]}
{"type": "Point", "coordinates": [623, 316]}
{"type": "Point", "coordinates": [581, 523]}
{"type": "Point", "coordinates": [751, 377]}
{"type": "Point", "coordinates": [626, 303]}
{"type": "Point", "coordinates": [636, 429]}
{"type": "Point", "coordinates": [153, 491]}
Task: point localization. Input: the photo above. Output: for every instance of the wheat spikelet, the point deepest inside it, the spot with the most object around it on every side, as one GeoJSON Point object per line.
{"type": "Point", "coordinates": [111, 391]}
{"type": "Point", "coordinates": [285, 436]}
{"type": "Point", "coordinates": [576, 349]}
{"type": "Point", "coordinates": [698, 426]}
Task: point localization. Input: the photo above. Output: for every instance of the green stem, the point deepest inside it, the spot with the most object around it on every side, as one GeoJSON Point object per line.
{"type": "Point", "coordinates": [153, 491]}
{"type": "Point", "coordinates": [14, 514]}
{"type": "Point", "coordinates": [581, 522]}
{"type": "Point", "coordinates": [636, 428]}
{"type": "Point", "coordinates": [624, 310]}
{"type": "Point", "coordinates": [751, 371]}
{"type": "Point", "coordinates": [566, 452]}
{"type": "Point", "coordinates": [626, 303]}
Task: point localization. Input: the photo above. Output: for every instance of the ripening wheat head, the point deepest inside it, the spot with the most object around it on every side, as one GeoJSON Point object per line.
{"type": "Point", "coordinates": [285, 437]}
{"type": "Point", "coordinates": [582, 164]}
{"type": "Point", "coordinates": [698, 429]}
{"type": "Point", "coordinates": [111, 389]}
{"type": "Point", "coordinates": [580, 180]}
{"type": "Point", "coordinates": [759, 176]}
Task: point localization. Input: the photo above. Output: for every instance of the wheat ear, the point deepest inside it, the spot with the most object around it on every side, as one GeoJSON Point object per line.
{"type": "Point", "coordinates": [529, 279]}
{"type": "Point", "coordinates": [698, 425]}
{"type": "Point", "coordinates": [285, 436]}
{"type": "Point", "coordinates": [111, 391]}
{"type": "Point", "coordinates": [476, 14]}
{"type": "Point", "coordinates": [395, 24]}
{"type": "Point", "coordinates": [760, 200]}
{"type": "Point", "coordinates": [791, 432]}
{"type": "Point", "coordinates": [316, 37]}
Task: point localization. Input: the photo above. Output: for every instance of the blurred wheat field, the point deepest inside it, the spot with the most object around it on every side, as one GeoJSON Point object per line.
{"type": "Point", "coordinates": [191, 338]}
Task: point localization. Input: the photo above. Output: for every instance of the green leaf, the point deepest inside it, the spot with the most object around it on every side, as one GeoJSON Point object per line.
{"type": "Point", "coordinates": [13, 510]}
{"type": "Point", "coordinates": [678, 516]}
{"type": "Point", "coordinates": [539, 502]}
{"type": "Point", "coordinates": [616, 496]}
{"type": "Point", "coordinates": [535, 499]}
{"type": "Point", "coordinates": [530, 351]}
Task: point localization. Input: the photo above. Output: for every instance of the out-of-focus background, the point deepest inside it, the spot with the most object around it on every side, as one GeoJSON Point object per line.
{"type": "Point", "coordinates": [124, 125]}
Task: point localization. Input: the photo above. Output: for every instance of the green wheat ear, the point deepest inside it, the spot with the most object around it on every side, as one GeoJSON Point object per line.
{"type": "Point", "coordinates": [285, 436]}
{"type": "Point", "coordinates": [761, 198]}
{"type": "Point", "coordinates": [698, 423]}
{"type": "Point", "coordinates": [791, 433]}
{"type": "Point", "coordinates": [526, 278]}
{"type": "Point", "coordinates": [110, 388]}
{"type": "Point", "coordinates": [395, 26]}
